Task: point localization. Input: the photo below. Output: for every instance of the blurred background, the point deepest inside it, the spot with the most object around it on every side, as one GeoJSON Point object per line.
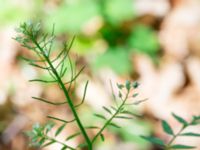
{"type": "Point", "coordinates": [156, 42]}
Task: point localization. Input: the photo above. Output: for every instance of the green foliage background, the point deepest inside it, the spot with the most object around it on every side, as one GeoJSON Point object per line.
{"type": "Point", "coordinates": [118, 30]}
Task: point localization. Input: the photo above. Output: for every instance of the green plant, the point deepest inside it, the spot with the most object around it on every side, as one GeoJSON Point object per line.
{"type": "Point", "coordinates": [31, 37]}
{"type": "Point", "coordinates": [168, 130]}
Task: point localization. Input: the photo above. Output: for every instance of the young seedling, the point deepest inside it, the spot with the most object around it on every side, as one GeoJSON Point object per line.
{"type": "Point", "coordinates": [40, 44]}
{"type": "Point", "coordinates": [168, 130]}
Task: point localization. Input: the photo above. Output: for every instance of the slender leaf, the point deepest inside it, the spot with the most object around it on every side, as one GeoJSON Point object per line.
{"type": "Point", "coordinates": [115, 109]}
{"type": "Point", "coordinates": [91, 127]}
{"type": "Point", "coordinates": [107, 109]}
{"type": "Point", "coordinates": [190, 134]}
{"type": "Point", "coordinates": [131, 113]}
{"type": "Point", "coordinates": [46, 101]}
{"type": "Point", "coordinates": [100, 116]}
{"type": "Point", "coordinates": [44, 81]}
{"type": "Point", "coordinates": [120, 94]}
{"type": "Point", "coordinates": [180, 119]}
{"type": "Point", "coordinates": [166, 127]}
{"type": "Point", "coordinates": [49, 143]}
{"type": "Point", "coordinates": [135, 95]}
{"type": "Point", "coordinates": [82, 145]}
{"type": "Point", "coordinates": [49, 126]}
{"type": "Point", "coordinates": [123, 117]}
{"type": "Point", "coordinates": [114, 125]}
{"type": "Point", "coordinates": [38, 66]}
{"type": "Point", "coordinates": [135, 84]}
{"type": "Point", "coordinates": [84, 94]}
{"type": "Point", "coordinates": [140, 101]}
{"type": "Point", "coordinates": [120, 86]}
{"type": "Point", "coordinates": [42, 140]}
{"type": "Point", "coordinates": [128, 85]}
{"type": "Point", "coordinates": [154, 140]}
{"type": "Point", "coordinates": [182, 147]}
{"type": "Point", "coordinates": [72, 136]}
{"type": "Point", "coordinates": [64, 147]}
{"type": "Point", "coordinates": [102, 137]}
{"type": "Point", "coordinates": [58, 119]}
{"type": "Point", "coordinates": [60, 129]}
{"type": "Point", "coordinates": [76, 76]}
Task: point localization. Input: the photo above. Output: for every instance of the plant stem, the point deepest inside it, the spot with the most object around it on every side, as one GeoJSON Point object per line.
{"type": "Point", "coordinates": [60, 82]}
{"type": "Point", "coordinates": [174, 137]}
{"type": "Point", "coordinates": [109, 121]}
{"type": "Point", "coordinates": [52, 139]}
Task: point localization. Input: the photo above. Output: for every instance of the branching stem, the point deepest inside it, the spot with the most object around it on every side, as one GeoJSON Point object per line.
{"type": "Point", "coordinates": [61, 84]}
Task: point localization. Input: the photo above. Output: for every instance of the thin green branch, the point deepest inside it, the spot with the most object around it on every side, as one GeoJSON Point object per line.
{"type": "Point", "coordinates": [58, 119]}
{"type": "Point", "coordinates": [49, 102]}
{"type": "Point", "coordinates": [111, 118]}
{"type": "Point", "coordinates": [84, 133]}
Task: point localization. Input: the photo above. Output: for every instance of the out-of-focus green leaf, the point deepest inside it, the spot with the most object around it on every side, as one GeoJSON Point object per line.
{"type": "Point", "coordinates": [118, 11]}
{"type": "Point", "coordinates": [144, 40]}
{"type": "Point", "coordinates": [129, 134]}
{"type": "Point", "coordinates": [13, 12]}
{"type": "Point", "coordinates": [72, 17]}
{"type": "Point", "coordinates": [117, 59]}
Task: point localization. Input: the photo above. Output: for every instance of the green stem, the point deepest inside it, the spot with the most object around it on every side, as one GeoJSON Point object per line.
{"type": "Point", "coordinates": [110, 120]}
{"type": "Point", "coordinates": [60, 82]}
{"type": "Point", "coordinates": [174, 137]}
{"type": "Point", "coordinates": [52, 139]}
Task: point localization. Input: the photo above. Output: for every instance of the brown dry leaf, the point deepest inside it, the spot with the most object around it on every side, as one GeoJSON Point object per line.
{"type": "Point", "coordinates": [179, 26]}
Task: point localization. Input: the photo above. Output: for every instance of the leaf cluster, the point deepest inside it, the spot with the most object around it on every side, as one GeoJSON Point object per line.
{"type": "Point", "coordinates": [31, 37]}
{"type": "Point", "coordinates": [120, 109]}
{"type": "Point", "coordinates": [40, 137]}
{"type": "Point", "coordinates": [168, 130]}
